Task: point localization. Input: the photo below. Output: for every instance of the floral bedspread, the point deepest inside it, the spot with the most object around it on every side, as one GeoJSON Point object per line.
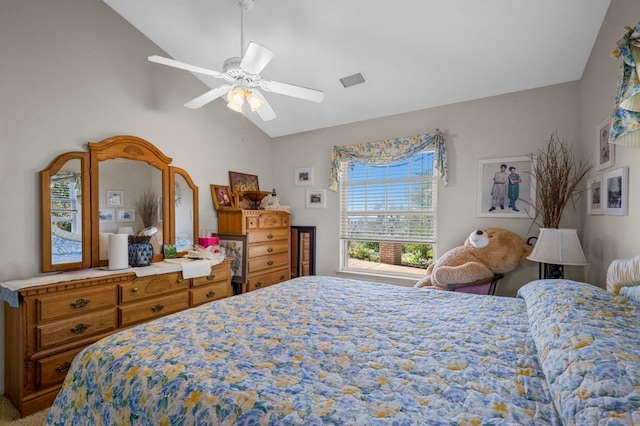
{"type": "Point", "coordinates": [318, 350]}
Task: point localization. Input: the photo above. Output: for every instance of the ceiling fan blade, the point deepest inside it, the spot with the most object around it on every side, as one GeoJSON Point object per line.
{"type": "Point", "coordinates": [291, 90]}
{"type": "Point", "coordinates": [255, 58]}
{"type": "Point", "coordinates": [265, 111]}
{"type": "Point", "coordinates": [177, 64]}
{"type": "Point", "coordinates": [208, 97]}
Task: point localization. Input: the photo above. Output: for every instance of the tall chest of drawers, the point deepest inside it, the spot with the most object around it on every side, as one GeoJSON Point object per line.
{"type": "Point", "coordinates": [268, 259]}
{"type": "Point", "coordinates": [54, 322]}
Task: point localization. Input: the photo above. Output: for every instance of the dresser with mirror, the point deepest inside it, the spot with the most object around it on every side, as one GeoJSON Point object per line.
{"type": "Point", "coordinates": [84, 196]}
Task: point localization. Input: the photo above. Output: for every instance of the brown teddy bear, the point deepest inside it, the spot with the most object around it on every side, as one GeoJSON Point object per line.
{"type": "Point", "coordinates": [484, 253]}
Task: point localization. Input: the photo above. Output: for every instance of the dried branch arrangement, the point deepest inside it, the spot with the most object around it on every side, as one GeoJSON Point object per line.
{"type": "Point", "coordinates": [147, 208]}
{"type": "Point", "coordinates": [557, 177]}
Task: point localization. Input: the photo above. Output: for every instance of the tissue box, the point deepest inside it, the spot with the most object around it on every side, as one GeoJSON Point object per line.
{"type": "Point", "coordinates": [208, 241]}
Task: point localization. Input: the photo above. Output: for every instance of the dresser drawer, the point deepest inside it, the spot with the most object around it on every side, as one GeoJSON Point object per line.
{"type": "Point", "coordinates": [219, 273]}
{"type": "Point", "coordinates": [268, 221]}
{"type": "Point", "coordinates": [268, 262]}
{"type": "Point", "coordinates": [264, 249]}
{"type": "Point", "coordinates": [265, 280]}
{"type": "Point", "coordinates": [259, 236]}
{"type": "Point", "coordinates": [144, 287]}
{"type": "Point", "coordinates": [144, 311]}
{"type": "Point", "coordinates": [75, 328]}
{"type": "Point", "coordinates": [51, 371]}
{"type": "Point", "coordinates": [210, 293]}
{"type": "Point", "coordinates": [74, 302]}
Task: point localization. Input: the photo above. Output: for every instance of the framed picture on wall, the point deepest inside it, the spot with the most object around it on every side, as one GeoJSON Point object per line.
{"type": "Point", "coordinates": [316, 198]}
{"type": "Point", "coordinates": [594, 195]}
{"type": "Point", "coordinates": [126, 215]}
{"type": "Point", "coordinates": [506, 188]}
{"type": "Point", "coordinates": [235, 246]}
{"type": "Point", "coordinates": [605, 150]}
{"type": "Point", "coordinates": [105, 216]}
{"type": "Point", "coordinates": [616, 195]}
{"type": "Point", "coordinates": [115, 198]}
{"type": "Point", "coordinates": [303, 176]}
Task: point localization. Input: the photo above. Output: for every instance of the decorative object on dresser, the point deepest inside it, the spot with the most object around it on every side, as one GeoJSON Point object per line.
{"type": "Point", "coordinates": [268, 244]}
{"type": "Point", "coordinates": [221, 196]}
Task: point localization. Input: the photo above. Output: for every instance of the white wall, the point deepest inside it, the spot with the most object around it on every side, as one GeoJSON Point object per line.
{"type": "Point", "coordinates": [609, 237]}
{"type": "Point", "coordinates": [74, 71]}
{"type": "Point", "coordinates": [503, 126]}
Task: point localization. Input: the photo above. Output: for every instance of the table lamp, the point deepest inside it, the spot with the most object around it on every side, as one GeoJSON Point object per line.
{"type": "Point", "coordinates": [556, 248]}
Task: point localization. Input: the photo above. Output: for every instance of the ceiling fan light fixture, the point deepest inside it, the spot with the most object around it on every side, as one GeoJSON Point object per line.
{"type": "Point", "coordinates": [235, 107]}
{"type": "Point", "coordinates": [236, 96]}
{"type": "Point", "coordinates": [253, 100]}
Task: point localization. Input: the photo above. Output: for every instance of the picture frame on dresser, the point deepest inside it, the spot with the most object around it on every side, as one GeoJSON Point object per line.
{"type": "Point", "coordinates": [243, 182]}
{"type": "Point", "coordinates": [235, 246]}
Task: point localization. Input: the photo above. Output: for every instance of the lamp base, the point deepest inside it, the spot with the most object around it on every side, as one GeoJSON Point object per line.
{"type": "Point", "coordinates": [551, 271]}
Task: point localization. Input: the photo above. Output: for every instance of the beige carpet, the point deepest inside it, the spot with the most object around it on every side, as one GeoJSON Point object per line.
{"type": "Point", "coordinates": [10, 416]}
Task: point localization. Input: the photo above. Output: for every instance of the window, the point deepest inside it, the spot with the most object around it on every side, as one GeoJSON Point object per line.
{"type": "Point", "coordinates": [387, 216]}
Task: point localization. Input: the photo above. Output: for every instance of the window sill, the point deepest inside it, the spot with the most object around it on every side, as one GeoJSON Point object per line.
{"type": "Point", "coordinates": [381, 278]}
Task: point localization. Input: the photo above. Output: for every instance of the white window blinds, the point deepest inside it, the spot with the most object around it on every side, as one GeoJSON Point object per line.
{"type": "Point", "coordinates": [395, 202]}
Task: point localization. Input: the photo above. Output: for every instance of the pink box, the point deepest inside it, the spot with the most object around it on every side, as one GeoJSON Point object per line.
{"type": "Point", "coordinates": [208, 241]}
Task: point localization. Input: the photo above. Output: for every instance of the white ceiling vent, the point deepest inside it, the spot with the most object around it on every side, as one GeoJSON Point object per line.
{"type": "Point", "coordinates": [352, 80]}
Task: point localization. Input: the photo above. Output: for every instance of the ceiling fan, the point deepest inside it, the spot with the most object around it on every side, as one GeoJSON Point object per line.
{"type": "Point", "coordinates": [242, 78]}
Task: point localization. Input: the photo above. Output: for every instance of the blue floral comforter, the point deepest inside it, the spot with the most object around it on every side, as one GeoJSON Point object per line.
{"type": "Point", "coordinates": [323, 350]}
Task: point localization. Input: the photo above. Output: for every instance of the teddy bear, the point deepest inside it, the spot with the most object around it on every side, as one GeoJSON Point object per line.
{"type": "Point", "coordinates": [484, 254]}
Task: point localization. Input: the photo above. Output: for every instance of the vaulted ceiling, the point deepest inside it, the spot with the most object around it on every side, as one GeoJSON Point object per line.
{"type": "Point", "coordinates": [413, 54]}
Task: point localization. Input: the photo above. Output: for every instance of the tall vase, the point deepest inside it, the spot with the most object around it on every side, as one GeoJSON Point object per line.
{"type": "Point", "coordinates": [140, 251]}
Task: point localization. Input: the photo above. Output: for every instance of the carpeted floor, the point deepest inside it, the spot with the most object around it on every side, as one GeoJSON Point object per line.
{"type": "Point", "coordinates": [10, 416]}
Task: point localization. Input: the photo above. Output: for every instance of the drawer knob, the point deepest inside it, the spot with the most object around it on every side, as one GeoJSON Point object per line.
{"type": "Point", "coordinates": [80, 303]}
{"type": "Point", "coordinates": [80, 328]}
{"type": "Point", "coordinates": [259, 284]}
{"type": "Point", "coordinates": [281, 277]}
{"type": "Point", "coordinates": [270, 262]}
{"type": "Point", "coordinates": [157, 308]}
{"type": "Point", "coordinates": [270, 250]}
{"type": "Point", "coordinates": [210, 277]}
{"type": "Point", "coordinates": [179, 281]}
{"type": "Point", "coordinates": [210, 294]}
{"type": "Point", "coordinates": [63, 368]}
{"type": "Point", "coordinates": [134, 290]}
{"type": "Point", "coordinates": [270, 236]}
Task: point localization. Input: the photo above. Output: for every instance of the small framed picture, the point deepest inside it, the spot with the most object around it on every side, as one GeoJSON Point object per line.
{"type": "Point", "coordinates": [594, 195]}
{"type": "Point", "coordinates": [605, 150]}
{"type": "Point", "coordinates": [126, 215]}
{"type": "Point", "coordinates": [170, 251]}
{"type": "Point", "coordinates": [616, 196]}
{"type": "Point", "coordinates": [506, 188]}
{"type": "Point", "coordinates": [303, 176]}
{"type": "Point", "coordinates": [105, 216]}
{"type": "Point", "coordinates": [221, 195]}
{"type": "Point", "coordinates": [316, 199]}
{"type": "Point", "coordinates": [235, 246]}
{"type": "Point", "coordinates": [115, 198]}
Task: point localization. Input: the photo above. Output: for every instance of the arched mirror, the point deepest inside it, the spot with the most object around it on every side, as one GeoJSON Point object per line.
{"type": "Point", "coordinates": [184, 208]}
{"type": "Point", "coordinates": [65, 203]}
{"type": "Point", "coordinates": [131, 173]}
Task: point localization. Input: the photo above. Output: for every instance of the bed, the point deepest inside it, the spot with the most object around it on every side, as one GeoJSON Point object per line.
{"type": "Point", "coordinates": [326, 350]}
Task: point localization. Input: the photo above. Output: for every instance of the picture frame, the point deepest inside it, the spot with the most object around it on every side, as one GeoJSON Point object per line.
{"type": "Point", "coordinates": [126, 215]}
{"type": "Point", "coordinates": [595, 194]}
{"type": "Point", "coordinates": [106, 216]}
{"type": "Point", "coordinates": [221, 196]}
{"type": "Point", "coordinates": [115, 198]}
{"type": "Point", "coordinates": [303, 176]}
{"type": "Point", "coordinates": [316, 199]}
{"type": "Point", "coordinates": [605, 151]}
{"type": "Point", "coordinates": [524, 203]}
{"type": "Point", "coordinates": [616, 193]}
{"type": "Point", "coordinates": [235, 246]}
{"type": "Point", "coordinates": [243, 182]}
{"type": "Point", "coordinates": [170, 251]}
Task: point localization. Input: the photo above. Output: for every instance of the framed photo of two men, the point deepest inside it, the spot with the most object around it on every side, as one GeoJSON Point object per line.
{"type": "Point", "coordinates": [506, 188]}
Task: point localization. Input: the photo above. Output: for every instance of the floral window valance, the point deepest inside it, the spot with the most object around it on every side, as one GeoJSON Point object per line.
{"type": "Point", "coordinates": [389, 151]}
{"type": "Point", "coordinates": [625, 122]}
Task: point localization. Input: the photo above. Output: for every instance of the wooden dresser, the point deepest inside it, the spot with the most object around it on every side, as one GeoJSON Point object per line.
{"type": "Point", "coordinates": [56, 321]}
{"type": "Point", "coordinates": [268, 253]}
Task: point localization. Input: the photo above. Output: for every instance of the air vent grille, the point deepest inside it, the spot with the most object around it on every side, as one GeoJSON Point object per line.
{"type": "Point", "coordinates": [352, 80]}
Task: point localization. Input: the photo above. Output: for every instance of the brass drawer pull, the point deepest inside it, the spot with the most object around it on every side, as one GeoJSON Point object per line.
{"type": "Point", "coordinates": [179, 281]}
{"type": "Point", "coordinates": [210, 294]}
{"type": "Point", "coordinates": [80, 303]}
{"type": "Point", "coordinates": [281, 277]}
{"type": "Point", "coordinates": [134, 290]}
{"type": "Point", "coordinates": [80, 328]}
{"type": "Point", "coordinates": [259, 284]}
{"type": "Point", "coordinates": [270, 236]}
{"type": "Point", "coordinates": [270, 262]}
{"type": "Point", "coordinates": [270, 250]}
{"type": "Point", "coordinates": [210, 277]}
{"type": "Point", "coordinates": [157, 308]}
{"type": "Point", "coordinates": [63, 368]}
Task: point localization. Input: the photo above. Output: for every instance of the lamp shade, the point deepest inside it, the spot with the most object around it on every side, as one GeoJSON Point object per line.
{"type": "Point", "coordinates": [558, 247]}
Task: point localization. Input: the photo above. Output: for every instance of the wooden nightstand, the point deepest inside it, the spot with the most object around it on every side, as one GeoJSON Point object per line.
{"type": "Point", "coordinates": [486, 286]}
